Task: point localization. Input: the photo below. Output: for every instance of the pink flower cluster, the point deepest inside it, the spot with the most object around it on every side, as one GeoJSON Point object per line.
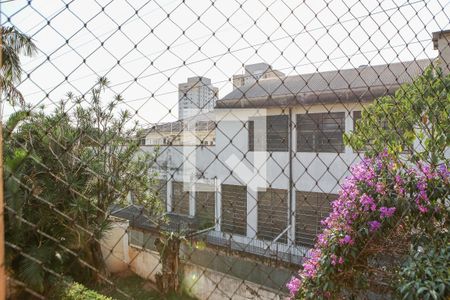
{"type": "Point", "coordinates": [367, 197]}
{"type": "Point", "coordinates": [387, 212]}
{"type": "Point", "coordinates": [294, 285]}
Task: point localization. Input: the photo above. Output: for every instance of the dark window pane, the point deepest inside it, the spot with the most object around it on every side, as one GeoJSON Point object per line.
{"type": "Point", "coordinates": [251, 135]}
{"type": "Point", "coordinates": [275, 137]}
{"type": "Point", "coordinates": [234, 209]}
{"type": "Point", "coordinates": [277, 133]}
{"type": "Point", "coordinates": [180, 199]}
{"type": "Point", "coordinates": [320, 132]}
{"type": "Point", "coordinates": [311, 208]}
{"type": "Point", "coordinates": [272, 214]}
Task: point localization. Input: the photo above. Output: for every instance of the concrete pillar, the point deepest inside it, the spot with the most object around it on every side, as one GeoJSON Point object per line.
{"type": "Point", "coordinates": [169, 192]}
{"type": "Point", "coordinates": [441, 42]}
{"type": "Point", "coordinates": [348, 128]}
{"type": "Point", "coordinates": [218, 204]}
{"type": "Point", "coordinates": [252, 212]}
{"type": "Point", "coordinates": [191, 187]}
{"type": "Point", "coordinates": [292, 211]}
{"type": "Point", "coordinates": [291, 185]}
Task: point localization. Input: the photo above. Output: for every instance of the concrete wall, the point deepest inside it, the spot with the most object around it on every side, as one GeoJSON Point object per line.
{"type": "Point", "coordinates": [200, 281]}
{"type": "Point", "coordinates": [120, 256]}
{"type": "Point", "coordinates": [144, 263]}
{"type": "Point", "coordinates": [115, 247]}
{"type": "Point", "coordinates": [204, 283]}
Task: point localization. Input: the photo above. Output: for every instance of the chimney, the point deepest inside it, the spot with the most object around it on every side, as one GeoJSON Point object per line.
{"type": "Point", "coordinates": [441, 42]}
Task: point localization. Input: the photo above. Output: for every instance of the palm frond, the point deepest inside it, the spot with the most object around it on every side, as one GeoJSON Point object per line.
{"type": "Point", "coordinates": [18, 41]}
{"type": "Point", "coordinates": [11, 93]}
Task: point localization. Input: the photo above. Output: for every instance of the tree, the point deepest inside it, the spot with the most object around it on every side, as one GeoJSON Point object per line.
{"type": "Point", "coordinates": [414, 121]}
{"type": "Point", "coordinates": [14, 43]}
{"type": "Point", "coordinates": [74, 164]}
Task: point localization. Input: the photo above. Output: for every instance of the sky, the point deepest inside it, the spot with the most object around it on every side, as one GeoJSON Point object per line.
{"type": "Point", "coordinates": [146, 48]}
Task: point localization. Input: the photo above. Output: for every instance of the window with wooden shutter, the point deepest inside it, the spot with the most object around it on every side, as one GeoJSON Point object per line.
{"type": "Point", "coordinates": [234, 209]}
{"type": "Point", "coordinates": [251, 135]}
{"type": "Point", "coordinates": [205, 208]}
{"type": "Point", "coordinates": [270, 134]}
{"type": "Point", "coordinates": [320, 132]}
{"type": "Point", "coordinates": [180, 199]}
{"type": "Point", "coordinates": [277, 133]}
{"type": "Point", "coordinates": [311, 208]}
{"type": "Point", "coordinates": [272, 214]}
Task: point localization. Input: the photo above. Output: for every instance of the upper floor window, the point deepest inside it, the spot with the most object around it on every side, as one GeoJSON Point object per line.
{"type": "Point", "coordinates": [320, 132]}
{"type": "Point", "coordinates": [271, 137]}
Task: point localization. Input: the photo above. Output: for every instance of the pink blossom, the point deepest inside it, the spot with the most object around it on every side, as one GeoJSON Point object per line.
{"type": "Point", "coordinates": [333, 259]}
{"type": "Point", "coordinates": [374, 225]}
{"type": "Point", "coordinates": [443, 171]}
{"type": "Point", "coordinates": [399, 180]}
{"type": "Point", "coordinates": [387, 212]}
{"type": "Point", "coordinates": [368, 202]}
{"type": "Point", "coordinates": [346, 240]}
{"type": "Point", "coordinates": [426, 170]}
{"type": "Point", "coordinates": [321, 240]}
{"type": "Point", "coordinates": [380, 188]}
{"type": "Point", "coordinates": [422, 209]}
{"type": "Point", "coordinates": [294, 285]}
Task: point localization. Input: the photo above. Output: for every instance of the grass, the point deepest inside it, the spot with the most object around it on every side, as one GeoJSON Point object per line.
{"type": "Point", "coordinates": [137, 288]}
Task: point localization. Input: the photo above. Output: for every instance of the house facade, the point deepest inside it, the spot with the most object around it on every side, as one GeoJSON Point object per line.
{"type": "Point", "coordinates": [279, 157]}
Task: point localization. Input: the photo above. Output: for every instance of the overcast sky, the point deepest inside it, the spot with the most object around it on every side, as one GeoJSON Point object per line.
{"type": "Point", "coordinates": [162, 42]}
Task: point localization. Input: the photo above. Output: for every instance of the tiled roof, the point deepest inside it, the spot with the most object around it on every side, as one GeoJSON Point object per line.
{"type": "Point", "coordinates": [358, 84]}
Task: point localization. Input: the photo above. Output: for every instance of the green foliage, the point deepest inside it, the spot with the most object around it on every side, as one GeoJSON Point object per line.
{"type": "Point", "coordinates": [426, 273]}
{"type": "Point", "coordinates": [136, 288]}
{"type": "Point", "coordinates": [418, 113]}
{"type": "Point", "coordinates": [63, 171]}
{"type": "Point", "coordinates": [78, 291]}
{"type": "Point", "coordinates": [14, 43]}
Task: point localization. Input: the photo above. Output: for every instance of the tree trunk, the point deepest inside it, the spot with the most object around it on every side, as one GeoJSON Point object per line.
{"type": "Point", "coordinates": [97, 261]}
{"type": "Point", "coordinates": [169, 280]}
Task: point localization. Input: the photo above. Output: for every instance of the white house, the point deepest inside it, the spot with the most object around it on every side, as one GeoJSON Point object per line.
{"type": "Point", "coordinates": [279, 156]}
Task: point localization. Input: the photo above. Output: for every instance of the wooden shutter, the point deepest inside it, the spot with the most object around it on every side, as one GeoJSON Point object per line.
{"type": "Point", "coordinates": [180, 199]}
{"type": "Point", "coordinates": [320, 132]}
{"type": "Point", "coordinates": [277, 133]}
{"type": "Point", "coordinates": [311, 208]}
{"type": "Point", "coordinates": [205, 208]}
{"type": "Point", "coordinates": [251, 135]}
{"type": "Point", "coordinates": [234, 209]}
{"type": "Point", "coordinates": [272, 214]}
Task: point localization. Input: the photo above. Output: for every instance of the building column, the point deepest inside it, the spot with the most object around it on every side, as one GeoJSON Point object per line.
{"type": "Point", "coordinates": [291, 185]}
{"type": "Point", "coordinates": [218, 205]}
{"type": "Point", "coordinates": [252, 213]}
{"type": "Point", "coordinates": [169, 192]}
{"type": "Point", "coordinates": [348, 128]}
{"type": "Point", "coordinates": [192, 199]}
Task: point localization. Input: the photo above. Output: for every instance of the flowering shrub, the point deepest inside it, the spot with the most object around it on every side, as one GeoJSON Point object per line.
{"type": "Point", "coordinates": [381, 210]}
